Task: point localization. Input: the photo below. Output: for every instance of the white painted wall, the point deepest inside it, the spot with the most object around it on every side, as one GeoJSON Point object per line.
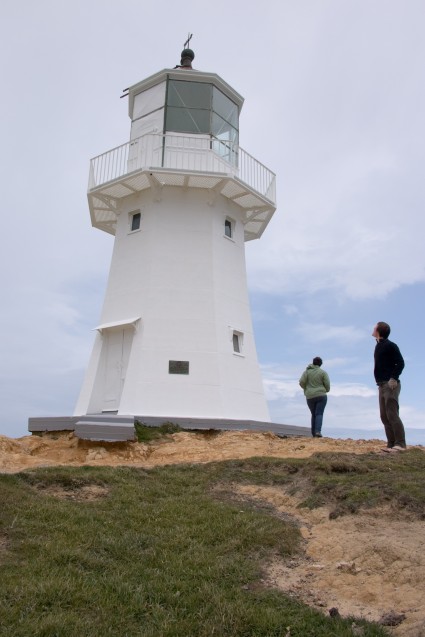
{"type": "Point", "coordinates": [187, 283]}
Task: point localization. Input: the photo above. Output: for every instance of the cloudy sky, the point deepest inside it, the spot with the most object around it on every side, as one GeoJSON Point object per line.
{"type": "Point", "coordinates": [334, 105]}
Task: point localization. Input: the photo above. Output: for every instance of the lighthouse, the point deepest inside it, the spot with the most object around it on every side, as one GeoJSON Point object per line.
{"type": "Point", "coordinates": [175, 340]}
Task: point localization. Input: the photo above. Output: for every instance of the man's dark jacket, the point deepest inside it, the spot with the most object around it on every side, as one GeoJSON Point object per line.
{"type": "Point", "coordinates": [389, 362]}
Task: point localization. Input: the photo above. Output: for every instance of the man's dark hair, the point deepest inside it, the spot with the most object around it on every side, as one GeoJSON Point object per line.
{"type": "Point", "coordinates": [383, 329]}
{"type": "Point", "coordinates": [317, 361]}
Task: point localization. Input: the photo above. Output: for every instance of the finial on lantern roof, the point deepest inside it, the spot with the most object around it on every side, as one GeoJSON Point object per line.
{"type": "Point", "coordinates": [189, 37]}
{"type": "Point", "coordinates": [187, 55]}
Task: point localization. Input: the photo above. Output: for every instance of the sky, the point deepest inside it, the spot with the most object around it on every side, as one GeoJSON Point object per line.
{"type": "Point", "coordinates": [334, 105]}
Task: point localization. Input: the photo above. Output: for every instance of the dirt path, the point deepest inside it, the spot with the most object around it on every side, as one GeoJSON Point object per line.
{"type": "Point", "coordinates": [367, 565]}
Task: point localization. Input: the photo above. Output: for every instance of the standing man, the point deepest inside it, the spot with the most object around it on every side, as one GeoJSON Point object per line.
{"type": "Point", "coordinates": [389, 364]}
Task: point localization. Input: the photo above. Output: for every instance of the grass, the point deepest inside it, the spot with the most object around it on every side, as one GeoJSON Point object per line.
{"type": "Point", "coordinates": [349, 483]}
{"type": "Point", "coordinates": [147, 433]}
{"type": "Point", "coordinates": [170, 552]}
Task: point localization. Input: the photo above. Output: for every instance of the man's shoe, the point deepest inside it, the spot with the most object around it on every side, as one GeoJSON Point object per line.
{"type": "Point", "coordinates": [319, 436]}
{"type": "Point", "coordinates": [399, 448]}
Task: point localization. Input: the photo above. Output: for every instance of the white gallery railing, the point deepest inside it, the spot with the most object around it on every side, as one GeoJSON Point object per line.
{"type": "Point", "coordinates": [197, 153]}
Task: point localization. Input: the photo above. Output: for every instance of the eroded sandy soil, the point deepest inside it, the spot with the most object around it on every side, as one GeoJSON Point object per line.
{"type": "Point", "coordinates": [366, 565]}
{"type": "Point", "coordinates": [17, 454]}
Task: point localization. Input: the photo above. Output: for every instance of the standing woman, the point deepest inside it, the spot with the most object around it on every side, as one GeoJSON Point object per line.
{"type": "Point", "coordinates": [315, 383]}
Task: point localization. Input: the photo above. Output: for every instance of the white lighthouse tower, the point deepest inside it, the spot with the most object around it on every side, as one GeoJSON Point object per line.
{"type": "Point", "coordinates": [175, 339]}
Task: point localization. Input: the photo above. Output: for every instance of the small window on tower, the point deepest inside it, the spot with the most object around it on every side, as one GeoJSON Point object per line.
{"type": "Point", "coordinates": [135, 219]}
{"type": "Point", "coordinates": [228, 228]}
{"type": "Point", "coordinates": [237, 339]}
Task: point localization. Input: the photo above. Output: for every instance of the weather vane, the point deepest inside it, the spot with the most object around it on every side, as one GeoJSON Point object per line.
{"type": "Point", "coordinates": [189, 37]}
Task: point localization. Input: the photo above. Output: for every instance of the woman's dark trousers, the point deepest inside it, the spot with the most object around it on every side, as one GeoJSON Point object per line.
{"type": "Point", "coordinates": [317, 407]}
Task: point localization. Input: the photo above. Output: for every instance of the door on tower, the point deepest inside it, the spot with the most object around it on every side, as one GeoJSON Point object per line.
{"type": "Point", "coordinates": [118, 346]}
{"type": "Point", "coordinates": [112, 368]}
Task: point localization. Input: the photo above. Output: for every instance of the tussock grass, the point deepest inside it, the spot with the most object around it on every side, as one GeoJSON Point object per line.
{"type": "Point", "coordinates": [161, 555]}
{"type": "Point", "coordinates": [350, 483]}
{"type": "Point", "coordinates": [148, 433]}
{"type": "Point", "coordinates": [347, 482]}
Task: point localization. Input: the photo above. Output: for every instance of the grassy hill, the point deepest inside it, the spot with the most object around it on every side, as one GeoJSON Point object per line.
{"type": "Point", "coordinates": [172, 552]}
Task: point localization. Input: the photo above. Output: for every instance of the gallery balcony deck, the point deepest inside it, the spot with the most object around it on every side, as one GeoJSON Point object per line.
{"type": "Point", "coordinates": [190, 161]}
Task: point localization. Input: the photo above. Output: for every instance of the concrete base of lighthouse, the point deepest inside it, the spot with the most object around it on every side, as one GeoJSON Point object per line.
{"type": "Point", "coordinates": [115, 428]}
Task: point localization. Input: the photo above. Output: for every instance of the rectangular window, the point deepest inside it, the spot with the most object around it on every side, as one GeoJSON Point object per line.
{"type": "Point", "coordinates": [229, 227]}
{"type": "Point", "coordinates": [237, 342]}
{"type": "Point", "coordinates": [135, 219]}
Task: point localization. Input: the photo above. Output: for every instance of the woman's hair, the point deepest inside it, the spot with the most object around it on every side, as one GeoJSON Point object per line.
{"type": "Point", "coordinates": [317, 361]}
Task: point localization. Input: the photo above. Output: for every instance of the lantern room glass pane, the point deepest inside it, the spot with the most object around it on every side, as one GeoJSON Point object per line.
{"type": "Point", "coordinates": [187, 120]}
{"type": "Point", "coordinates": [227, 109]}
{"type": "Point", "coordinates": [223, 130]}
{"type": "Point", "coordinates": [189, 94]}
{"type": "Point", "coordinates": [199, 107]}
